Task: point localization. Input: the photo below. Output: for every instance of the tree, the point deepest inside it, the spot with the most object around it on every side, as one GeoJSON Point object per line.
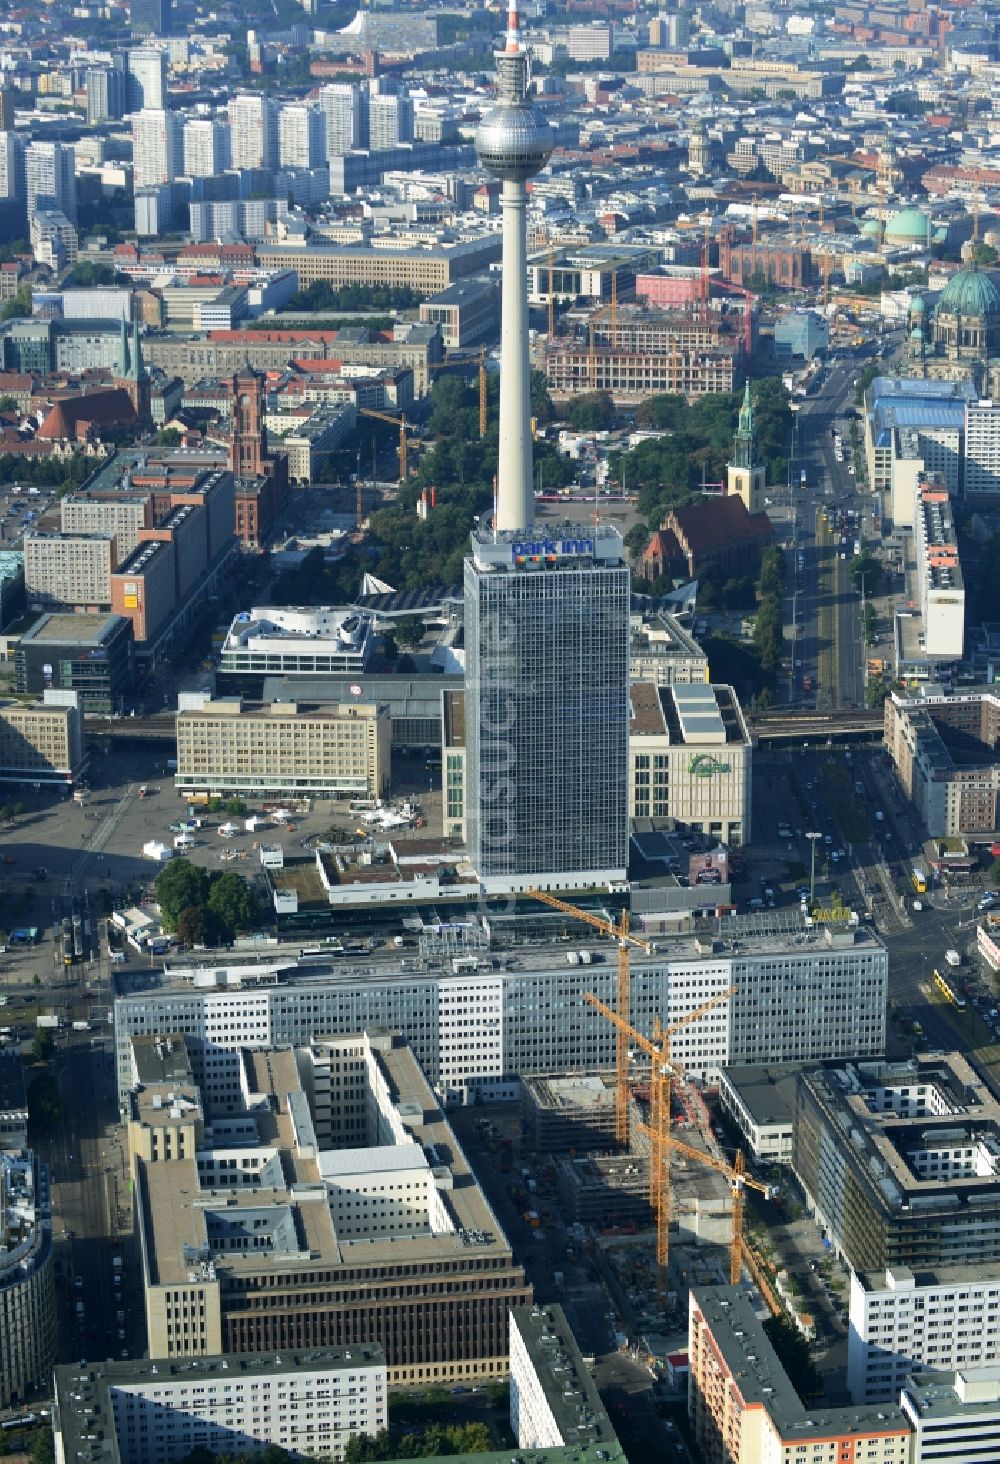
{"type": "Point", "coordinates": [196, 927]}
{"type": "Point", "coordinates": [8, 404]}
{"type": "Point", "coordinates": [995, 872]}
{"type": "Point", "coordinates": [42, 1449]}
{"type": "Point", "coordinates": [594, 411]}
{"type": "Point", "coordinates": [232, 901]}
{"type": "Point", "coordinates": [409, 631]}
{"type": "Point", "coordinates": [180, 886]}
{"type": "Point", "coordinates": [43, 1046]}
{"type": "Point", "coordinates": [792, 1351]}
{"type": "Point", "coordinates": [169, 437]}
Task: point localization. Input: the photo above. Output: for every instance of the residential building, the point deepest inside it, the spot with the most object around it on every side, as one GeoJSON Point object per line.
{"type": "Point", "coordinates": [12, 600]}
{"type": "Point", "coordinates": [345, 107]}
{"type": "Point", "coordinates": [553, 1401]}
{"type": "Point", "coordinates": [306, 1403]}
{"type": "Point", "coordinates": [307, 445]}
{"type": "Point", "coordinates": [663, 652]}
{"type": "Point", "coordinates": [12, 179]}
{"type": "Point", "coordinates": [121, 514]}
{"type": "Point", "coordinates": [546, 706]}
{"type": "Point", "coordinates": [156, 147]}
{"type": "Point", "coordinates": [295, 641]}
{"type": "Point", "coordinates": [89, 654]}
{"type": "Point", "coordinates": [931, 1320]}
{"type": "Point", "coordinates": [982, 450]}
{"type": "Point", "coordinates": [954, 1415]}
{"type": "Point", "coordinates": [533, 1019]}
{"type": "Point", "coordinates": [107, 94]}
{"type": "Point", "coordinates": [939, 574]}
{"type": "Point", "coordinates": [151, 16]}
{"type": "Point", "coordinates": [919, 1183]}
{"type": "Point", "coordinates": [54, 239]}
{"type": "Point", "coordinates": [42, 742]}
{"type": "Point", "coordinates": [932, 738]}
{"type": "Point", "coordinates": [253, 122]}
{"type": "Point", "coordinates": [593, 42]}
{"type": "Point", "coordinates": [742, 1408]}
{"type": "Point", "coordinates": [689, 758]}
{"type": "Point", "coordinates": [147, 72]}
{"type": "Point", "coordinates": [50, 179]}
{"type": "Point", "coordinates": [301, 135]}
{"type": "Point", "coordinates": [390, 122]}
{"type": "Point", "coordinates": [325, 1175]}
{"type": "Point", "coordinates": [205, 147]}
{"type": "Point", "coordinates": [285, 748]}
{"type": "Point", "coordinates": [27, 1274]}
{"type": "Point", "coordinates": [65, 570]}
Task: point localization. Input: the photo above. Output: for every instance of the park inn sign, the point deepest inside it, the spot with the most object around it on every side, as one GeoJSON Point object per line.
{"type": "Point", "coordinates": [704, 765]}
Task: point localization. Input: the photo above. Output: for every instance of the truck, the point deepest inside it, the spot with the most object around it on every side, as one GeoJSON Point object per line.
{"type": "Point", "coordinates": [919, 881]}
{"type": "Point", "coordinates": [81, 1026]}
{"type": "Point", "coordinates": [47, 1019]}
{"type": "Point", "coordinates": [573, 958]}
{"type": "Point", "coordinates": [954, 958]}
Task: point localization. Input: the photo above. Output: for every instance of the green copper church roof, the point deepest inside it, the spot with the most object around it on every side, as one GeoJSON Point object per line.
{"type": "Point", "coordinates": [970, 292]}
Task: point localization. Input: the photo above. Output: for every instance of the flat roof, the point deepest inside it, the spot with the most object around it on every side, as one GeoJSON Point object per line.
{"type": "Point", "coordinates": [13, 1094]}
{"type": "Point", "coordinates": [81, 630]}
{"type": "Point", "coordinates": [569, 1389]}
{"type": "Point", "coordinates": [161, 1059]}
{"type": "Point", "coordinates": [904, 1280]}
{"type": "Point", "coordinates": [767, 1093]}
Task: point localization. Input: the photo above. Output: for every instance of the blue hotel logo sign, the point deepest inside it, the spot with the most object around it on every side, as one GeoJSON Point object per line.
{"type": "Point", "coordinates": [548, 549]}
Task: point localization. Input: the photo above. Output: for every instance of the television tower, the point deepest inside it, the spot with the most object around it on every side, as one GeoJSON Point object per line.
{"type": "Point", "coordinates": [514, 144]}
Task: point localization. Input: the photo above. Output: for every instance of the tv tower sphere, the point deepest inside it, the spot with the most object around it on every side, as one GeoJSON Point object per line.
{"type": "Point", "coordinates": [512, 142]}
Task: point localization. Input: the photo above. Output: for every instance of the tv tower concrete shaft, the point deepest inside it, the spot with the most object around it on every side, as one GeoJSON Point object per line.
{"type": "Point", "coordinates": [514, 144]}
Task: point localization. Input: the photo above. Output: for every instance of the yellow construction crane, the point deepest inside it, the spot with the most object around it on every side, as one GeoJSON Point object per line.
{"type": "Point", "coordinates": [663, 1071]}
{"type": "Point", "coordinates": [625, 940]}
{"type": "Point", "coordinates": [401, 423]}
{"type": "Point", "coordinates": [739, 1182]}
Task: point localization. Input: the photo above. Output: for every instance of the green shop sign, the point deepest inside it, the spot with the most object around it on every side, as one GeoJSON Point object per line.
{"type": "Point", "coordinates": [704, 765]}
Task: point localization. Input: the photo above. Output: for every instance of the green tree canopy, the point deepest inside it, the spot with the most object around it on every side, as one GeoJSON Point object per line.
{"type": "Point", "coordinates": [179, 887]}
{"type": "Point", "coordinates": [231, 901]}
{"type": "Point", "coordinates": [594, 411]}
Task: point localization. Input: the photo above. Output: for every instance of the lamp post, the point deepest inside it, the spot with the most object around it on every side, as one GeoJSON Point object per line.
{"type": "Point", "coordinates": [812, 837]}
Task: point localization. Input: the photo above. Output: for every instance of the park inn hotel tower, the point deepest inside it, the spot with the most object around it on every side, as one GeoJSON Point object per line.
{"type": "Point", "coordinates": [546, 611]}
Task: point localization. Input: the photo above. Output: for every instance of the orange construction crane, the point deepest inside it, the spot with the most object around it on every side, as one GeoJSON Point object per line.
{"type": "Point", "coordinates": [620, 933]}
{"type": "Point", "coordinates": [664, 1071]}
{"type": "Point", "coordinates": [401, 423]}
{"type": "Point", "coordinates": [739, 1181]}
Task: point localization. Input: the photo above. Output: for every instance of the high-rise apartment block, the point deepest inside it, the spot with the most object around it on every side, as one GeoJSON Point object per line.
{"type": "Point", "coordinates": [151, 17]}
{"type": "Point", "coordinates": [301, 135]}
{"type": "Point", "coordinates": [107, 93]}
{"type": "Point", "coordinates": [206, 148]}
{"type": "Point", "coordinates": [307, 1404]}
{"type": "Point", "coordinates": [27, 1275]}
{"type": "Point", "coordinates": [64, 570]}
{"type": "Point", "coordinates": [12, 181]}
{"type": "Point", "coordinates": [345, 107]}
{"type": "Point", "coordinates": [50, 179]}
{"type": "Point", "coordinates": [253, 122]}
{"type": "Point", "coordinates": [982, 449]}
{"type": "Point", "coordinates": [390, 122]}
{"type": "Point", "coordinates": [156, 147]}
{"type": "Point", "coordinates": [147, 71]}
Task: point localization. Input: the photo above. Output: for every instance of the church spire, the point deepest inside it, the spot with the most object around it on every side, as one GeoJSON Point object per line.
{"type": "Point", "coordinates": [123, 353]}
{"type": "Point", "coordinates": [745, 450]}
{"type": "Point", "coordinates": [137, 364]}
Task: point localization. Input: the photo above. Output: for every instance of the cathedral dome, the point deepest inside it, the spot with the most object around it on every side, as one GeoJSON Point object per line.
{"type": "Point", "coordinates": [970, 292]}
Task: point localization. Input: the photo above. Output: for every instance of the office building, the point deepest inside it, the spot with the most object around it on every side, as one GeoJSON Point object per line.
{"type": "Point", "coordinates": [662, 651]}
{"type": "Point", "coordinates": [546, 704]}
{"type": "Point", "coordinates": [205, 148]}
{"type": "Point", "coordinates": [307, 445]}
{"type": "Point", "coordinates": [27, 1273]}
{"type": "Point", "coordinates": [648, 352]}
{"type": "Point", "coordinates": [914, 427]}
{"type": "Point", "coordinates": [65, 570]}
{"type": "Point", "coordinates": [107, 94]}
{"type": "Point", "coordinates": [426, 269]}
{"type": "Point", "coordinates": [89, 654]}
{"type": "Point", "coordinates": [290, 749]}
{"type": "Point", "coordinates": [468, 312]}
{"type": "Point", "coordinates": [8, 106]}
{"type": "Point", "coordinates": [690, 758]}
{"type": "Point", "coordinates": [935, 1319]}
{"type": "Point", "coordinates": [12, 179]}
{"type": "Point", "coordinates": [306, 1403]}
{"type": "Point", "coordinates": [943, 747]}
{"type": "Point", "coordinates": [54, 240]}
{"type": "Point", "coordinates": [919, 1183]}
{"type": "Point", "coordinates": [982, 450]}
{"type": "Point", "coordinates": [940, 581]}
{"type": "Point", "coordinates": [329, 1174]}
{"type": "Point", "coordinates": [42, 742]}
{"type": "Point", "coordinates": [743, 1409]}
{"type": "Point", "coordinates": [345, 108]}
{"type": "Point", "coordinates": [13, 1103]}
{"type": "Point", "coordinates": [50, 178]}
{"type": "Point", "coordinates": [533, 1019]}
{"type": "Point", "coordinates": [151, 17]}
{"type": "Point", "coordinates": [301, 135]}
{"type": "Point", "coordinates": [955, 1416]}
{"type": "Point", "coordinates": [119, 513]}
{"type": "Point", "coordinates": [296, 641]}
{"type": "Point", "coordinates": [760, 1101]}
{"type": "Point", "coordinates": [157, 149]}
{"type": "Point", "coordinates": [253, 123]}
{"type": "Point", "coordinates": [553, 1401]}
{"type": "Point", "coordinates": [147, 86]}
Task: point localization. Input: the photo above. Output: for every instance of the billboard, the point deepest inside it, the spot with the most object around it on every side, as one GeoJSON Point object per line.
{"type": "Point", "coordinates": [709, 869]}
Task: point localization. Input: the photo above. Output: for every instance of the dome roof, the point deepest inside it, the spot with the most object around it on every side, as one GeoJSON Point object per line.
{"type": "Point", "coordinates": [909, 226]}
{"type": "Point", "coordinates": [917, 305]}
{"type": "Point", "coordinates": [970, 292]}
{"type": "Point", "coordinates": [869, 228]}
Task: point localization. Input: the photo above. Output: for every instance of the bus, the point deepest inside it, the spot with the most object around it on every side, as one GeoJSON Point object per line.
{"type": "Point", "coordinates": [948, 989]}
